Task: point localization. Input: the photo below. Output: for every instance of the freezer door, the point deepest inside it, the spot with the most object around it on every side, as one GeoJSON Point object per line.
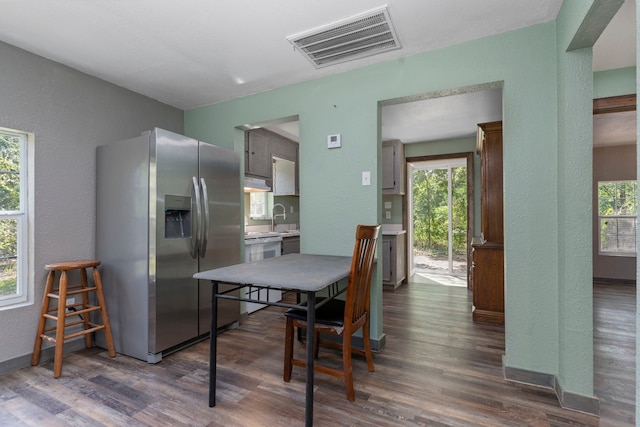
{"type": "Point", "coordinates": [220, 175]}
{"type": "Point", "coordinates": [173, 292]}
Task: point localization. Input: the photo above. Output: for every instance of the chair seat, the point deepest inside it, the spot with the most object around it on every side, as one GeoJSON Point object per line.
{"type": "Point", "coordinates": [331, 313]}
{"type": "Point", "coordinates": [340, 318]}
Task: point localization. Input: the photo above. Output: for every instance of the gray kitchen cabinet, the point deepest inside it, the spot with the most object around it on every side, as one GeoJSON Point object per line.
{"type": "Point", "coordinates": [284, 152]}
{"type": "Point", "coordinates": [283, 147]}
{"type": "Point", "coordinates": [290, 245]}
{"type": "Point", "coordinates": [257, 155]}
{"type": "Point", "coordinates": [393, 260]}
{"type": "Point", "coordinates": [393, 167]}
{"type": "Point", "coordinates": [261, 148]}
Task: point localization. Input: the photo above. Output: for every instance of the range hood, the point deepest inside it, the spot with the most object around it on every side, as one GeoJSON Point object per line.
{"type": "Point", "coordinates": [255, 184]}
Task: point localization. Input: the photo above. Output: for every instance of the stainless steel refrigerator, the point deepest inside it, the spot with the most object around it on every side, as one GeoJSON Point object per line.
{"type": "Point", "coordinates": [167, 206]}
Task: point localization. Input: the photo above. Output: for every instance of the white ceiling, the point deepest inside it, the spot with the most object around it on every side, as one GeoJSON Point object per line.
{"type": "Point", "coordinates": [446, 117]}
{"type": "Point", "coordinates": [191, 53]}
{"type": "Point", "coordinates": [614, 128]}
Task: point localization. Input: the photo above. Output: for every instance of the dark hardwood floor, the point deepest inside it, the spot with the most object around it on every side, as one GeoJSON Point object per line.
{"type": "Point", "coordinates": [438, 369]}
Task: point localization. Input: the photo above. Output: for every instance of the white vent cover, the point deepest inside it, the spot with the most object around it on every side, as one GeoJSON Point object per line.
{"type": "Point", "coordinates": [362, 35]}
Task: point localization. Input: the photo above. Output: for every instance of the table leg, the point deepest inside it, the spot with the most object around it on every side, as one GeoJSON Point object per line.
{"type": "Point", "coordinates": [311, 320]}
{"type": "Point", "coordinates": [213, 344]}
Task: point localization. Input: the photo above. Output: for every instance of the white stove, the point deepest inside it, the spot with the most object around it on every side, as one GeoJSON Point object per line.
{"type": "Point", "coordinates": [262, 245]}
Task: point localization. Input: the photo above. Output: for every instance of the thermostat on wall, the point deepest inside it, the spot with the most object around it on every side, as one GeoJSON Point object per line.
{"type": "Point", "coordinates": [334, 141]}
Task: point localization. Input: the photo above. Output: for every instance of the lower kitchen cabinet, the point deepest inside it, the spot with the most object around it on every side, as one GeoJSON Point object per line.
{"type": "Point", "coordinates": [487, 272]}
{"type": "Point", "coordinates": [393, 260]}
{"type": "Point", "coordinates": [290, 245]}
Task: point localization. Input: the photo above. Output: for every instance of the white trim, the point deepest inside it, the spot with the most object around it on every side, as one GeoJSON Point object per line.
{"type": "Point", "coordinates": [447, 164]}
{"type": "Point", "coordinates": [24, 216]}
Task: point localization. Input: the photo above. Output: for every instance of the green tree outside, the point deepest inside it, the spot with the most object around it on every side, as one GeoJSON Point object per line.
{"type": "Point", "coordinates": [617, 209]}
{"type": "Point", "coordinates": [9, 202]}
{"type": "Point", "coordinates": [430, 215]}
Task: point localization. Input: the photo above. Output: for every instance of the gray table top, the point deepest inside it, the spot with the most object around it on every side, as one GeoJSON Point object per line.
{"type": "Point", "coordinates": [301, 272]}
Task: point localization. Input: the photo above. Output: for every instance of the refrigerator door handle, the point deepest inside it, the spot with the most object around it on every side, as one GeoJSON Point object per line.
{"type": "Point", "coordinates": [205, 224]}
{"type": "Point", "coordinates": [195, 225]}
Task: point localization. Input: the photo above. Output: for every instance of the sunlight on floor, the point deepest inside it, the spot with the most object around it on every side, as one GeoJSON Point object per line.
{"type": "Point", "coordinates": [438, 279]}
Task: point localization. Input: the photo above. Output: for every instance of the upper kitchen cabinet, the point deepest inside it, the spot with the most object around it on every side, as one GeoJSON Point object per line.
{"type": "Point", "coordinates": [257, 156]}
{"type": "Point", "coordinates": [284, 177]}
{"type": "Point", "coordinates": [393, 167]}
{"type": "Point", "coordinates": [272, 156]}
{"type": "Point", "coordinates": [282, 147]}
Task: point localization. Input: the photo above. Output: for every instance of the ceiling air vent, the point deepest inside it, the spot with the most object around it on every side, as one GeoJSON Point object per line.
{"type": "Point", "coordinates": [362, 35]}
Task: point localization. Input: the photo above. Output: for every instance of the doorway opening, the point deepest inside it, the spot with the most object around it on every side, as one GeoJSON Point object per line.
{"type": "Point", "coordinates": [438, 227]}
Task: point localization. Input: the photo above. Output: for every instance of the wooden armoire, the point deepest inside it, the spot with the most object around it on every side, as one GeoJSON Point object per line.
{"type": "Point", "coordinates": [487, 267]}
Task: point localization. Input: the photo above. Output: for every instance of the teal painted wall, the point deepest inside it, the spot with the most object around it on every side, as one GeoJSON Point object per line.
{"type": "Point", "coordinates": [333, 201]}
{"type": "Point", "coordinates": [574, 156]}
{"type": "Point", "coordinates": [621, 81]}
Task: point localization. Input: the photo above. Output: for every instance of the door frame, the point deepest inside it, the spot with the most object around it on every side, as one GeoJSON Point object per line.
{"type": "Point", "coordinates": [469, 156]}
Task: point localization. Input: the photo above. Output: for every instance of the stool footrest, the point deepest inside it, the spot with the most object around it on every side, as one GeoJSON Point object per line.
{"type": "Point", "coordinates": [84, 332]}
{"type": "Point", "coordinates": [94, 328]}
{"type": "Point", "coordinates": [89, 309]}
{"type": "Point", "coordinates": [68, 325]}
{"type": "Point", "coordinates": [77, 290]}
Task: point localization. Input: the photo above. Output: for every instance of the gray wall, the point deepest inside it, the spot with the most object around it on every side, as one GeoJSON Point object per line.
{"type": "Point", "coordinates": [612, 164]}
{"type": "Point", "coordinates": [70, 114]}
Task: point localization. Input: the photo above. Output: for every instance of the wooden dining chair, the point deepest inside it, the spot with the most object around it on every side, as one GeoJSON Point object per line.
{"type": "Point", "coordinates": [339, 317]}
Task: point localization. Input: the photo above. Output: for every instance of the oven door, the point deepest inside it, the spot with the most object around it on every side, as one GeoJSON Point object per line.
{"type": "Point", "coordinates": [257, 249]}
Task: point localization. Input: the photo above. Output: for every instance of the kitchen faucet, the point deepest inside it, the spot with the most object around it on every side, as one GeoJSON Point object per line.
{"type": "Point", "coordinates": [274, 215]}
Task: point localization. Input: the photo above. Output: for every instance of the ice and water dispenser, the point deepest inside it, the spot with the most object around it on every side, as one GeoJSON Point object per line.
{"type": "Point", "coordinates": [177, 217]}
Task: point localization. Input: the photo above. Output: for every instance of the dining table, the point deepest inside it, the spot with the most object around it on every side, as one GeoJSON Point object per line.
{"type": "Point", "coordinates": [305, 274]}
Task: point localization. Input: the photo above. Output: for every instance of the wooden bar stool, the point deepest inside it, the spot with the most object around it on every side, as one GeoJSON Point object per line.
{"type": "Point", "coordinates": [60, 311]}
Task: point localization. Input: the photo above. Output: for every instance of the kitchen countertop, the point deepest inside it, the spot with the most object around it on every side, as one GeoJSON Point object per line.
{"type": "Point", "coordinates": [393, 232]}
{"type": "Point", "coordinates": [392, 229]}
{"type": "Point", "coordinates": [283, 234]}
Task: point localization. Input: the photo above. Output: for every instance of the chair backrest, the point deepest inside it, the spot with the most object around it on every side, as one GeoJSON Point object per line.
{"type": "Point", "coordinates": [359, 286]}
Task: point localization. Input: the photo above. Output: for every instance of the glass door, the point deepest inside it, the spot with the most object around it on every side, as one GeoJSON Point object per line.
{"type": "Point", "coordinates": [438, 226]}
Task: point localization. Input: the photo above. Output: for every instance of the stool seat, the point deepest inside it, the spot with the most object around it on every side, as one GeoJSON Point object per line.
{"type": "Point", "coordinates": [65, 308]}
{"type": "Point", "coordinates": [71, 265]}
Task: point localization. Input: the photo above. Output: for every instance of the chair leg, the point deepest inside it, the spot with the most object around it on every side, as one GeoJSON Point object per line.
{"type": "Point", "coordinates": [346, 364]}
{"type": "Point", "coordinates": [288, 350]}
{"type": "Point", "coordinates": [366, 338]}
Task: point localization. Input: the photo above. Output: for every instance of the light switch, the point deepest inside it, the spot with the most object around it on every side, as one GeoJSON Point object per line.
{"type": "Point", "coordinates": [387, 205]}
{"type": "Point", "coordinates": [387, 214]}
{"type": "Point", "coordinates": [366, 178]}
